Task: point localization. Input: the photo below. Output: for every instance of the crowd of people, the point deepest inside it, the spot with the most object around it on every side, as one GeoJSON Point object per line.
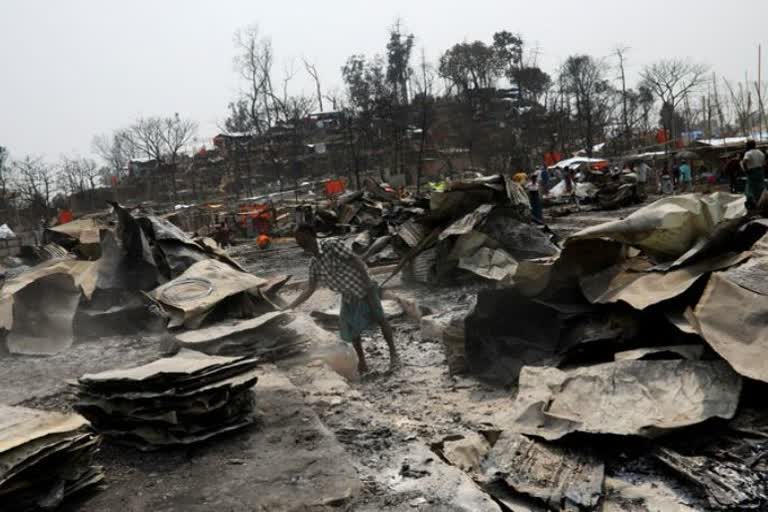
{"type": "Point", "coordinates": [744, 172]}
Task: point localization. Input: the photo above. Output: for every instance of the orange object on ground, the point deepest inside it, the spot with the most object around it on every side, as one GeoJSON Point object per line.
{"type": "Point", "coordinates": [65, 216]}
{"type": "Point", "coordinates": [263, 241]}
{"type": "Point", "coordinates": [335, 187]}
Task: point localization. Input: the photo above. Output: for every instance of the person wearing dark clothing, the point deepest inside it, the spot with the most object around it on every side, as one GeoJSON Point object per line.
{"type": "Point", "coordinates": [732, 170]}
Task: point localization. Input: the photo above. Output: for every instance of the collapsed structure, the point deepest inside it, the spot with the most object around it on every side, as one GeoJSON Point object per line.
{"type": "Point", "coordinates": [641, 327]}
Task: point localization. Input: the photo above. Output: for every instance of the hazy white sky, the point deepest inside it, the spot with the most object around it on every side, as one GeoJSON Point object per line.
{"type": "Point", "coordinates": [70, 69]}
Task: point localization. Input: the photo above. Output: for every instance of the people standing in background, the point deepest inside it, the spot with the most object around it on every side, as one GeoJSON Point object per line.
{"type": "Point", "coordinates": [543, 181]}
{"type": "Point", "coordinates": [676, 175]}
{"type": "Point", "coordinates": [534, 196]}
{"type": "Point", "coordinates": [686, 177]}
{"type": "Point", "coordinates": [667, 181]}
{"type": "Point", "coordinates": [642, 170]}
{"type": "Point", "coordinates": [568, 179]}
{"type": "Point", "coordinates": [753, 164]}
{"type": "Point", "coordinates": [732, 170]}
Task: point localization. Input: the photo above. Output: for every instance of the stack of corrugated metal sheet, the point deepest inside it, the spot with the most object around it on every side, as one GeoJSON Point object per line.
{"type": "Point", "coordinates": [45, 457]}
{"type": "Point", "coordinates": [173, 401]}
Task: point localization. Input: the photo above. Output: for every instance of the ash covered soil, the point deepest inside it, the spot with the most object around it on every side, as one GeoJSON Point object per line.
{"type": "Point", "coordinates": [321, 442]}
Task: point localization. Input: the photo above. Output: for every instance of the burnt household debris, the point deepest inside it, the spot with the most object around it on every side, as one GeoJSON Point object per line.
{"type": "Point", "coordinates": [618, 365]}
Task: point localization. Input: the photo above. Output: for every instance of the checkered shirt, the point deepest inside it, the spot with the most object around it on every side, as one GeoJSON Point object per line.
{"type": "Point", "coordinates": [334, 269]}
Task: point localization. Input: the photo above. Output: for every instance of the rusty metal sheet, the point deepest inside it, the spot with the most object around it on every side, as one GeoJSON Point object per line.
{"type": "Point", "coordinates": [734, 322]}
{"type": "Point", "coordinates": [630, 281]}
{"type": "Point", "coordinates": [465, 224]}
{"type": "Point", "coordinates": [671, 226]}
{"type": "Point", "coordinates": [191, 296]}
{"type": "Point", "coordinates": [634, 397]}
{"type": "Point", "coordinates": [20, 425]}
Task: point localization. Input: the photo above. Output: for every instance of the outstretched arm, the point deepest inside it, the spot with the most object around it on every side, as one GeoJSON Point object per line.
{"type": "Point", "coordinates": [303, 296]}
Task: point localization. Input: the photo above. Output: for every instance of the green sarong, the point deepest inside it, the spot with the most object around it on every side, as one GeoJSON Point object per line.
{"type": "Point", "coordinates": [755, 186]}
{"type": "Point", "coordinates": [356, 315]}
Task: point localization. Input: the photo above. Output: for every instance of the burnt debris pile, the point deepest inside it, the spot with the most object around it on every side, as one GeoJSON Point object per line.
{"type": "Point", "coordinates": [638, 350]}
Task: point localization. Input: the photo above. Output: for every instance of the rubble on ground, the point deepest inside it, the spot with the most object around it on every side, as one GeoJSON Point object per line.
{"type": "Point", "coordinates": [637, 340]}
{"type": "Point", "coordinates": [45, 457]}
{"type": "Point", "coordinates": [173, 401]}
{"type": "Point", "coordinates": [560, 478]}
{"type": "Point", "coordinates": [641, 327]}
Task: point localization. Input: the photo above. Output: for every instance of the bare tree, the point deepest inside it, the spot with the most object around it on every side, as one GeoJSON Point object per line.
{"type": "Point", "coordinates": [424, 100]}
{"type": "Point", "coordinates": [741, 102]}
{"type": "Point", "coordinates": [312, 71]}
{"type": "Point", "coordinates": [620, 53]}
{"type": "Point", "coordinates": [35, 183]}
{"type": "Point", "coordinates": [584, 80]}
{"type": "Point", "coordinates": [145, 137]}
{"type": "Point", "coordinates": [114, 151]}
{"type": "Point", "coordinates": [176, 133]}
{"type": "Point", "coordinates": [672, 80]}
{"type": "Point", "coordinates": [718, 106]}
{"type": "Point", "coordinates": [6, 179]}
{"type": "Point", "coordinates": [78, 176]}
{"type": "Point", "coordinates": [254, 64]}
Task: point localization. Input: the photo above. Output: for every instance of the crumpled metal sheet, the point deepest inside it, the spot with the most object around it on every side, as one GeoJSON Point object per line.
{"type": "Point", "coordinates": [520, 238]}
{"type": "Point", "coordinates": [38, 306]}
{"type": "Point", "coordinates": [493, 264]}
{"type": "Point", "coordinates": [728, 484]}
{"type": "Point", "coordinates": [634, 397]}
{"type": "Point", "coordinates": [670, 227]}
{"type": "Point", "coordinates": [190, 297]}
{"type": "Point", "coordinates": [631, 282]}
{"type": "Point", "coordinates": [465, 451]}
{"type": "Point", "coordinates": [412, 232]}
{"type": "Point", "coordinates": [236, 331]}
{"type": "Point", "coordinates": [467, 223]}
{"type": "Point", "coordinates": [561, 477]}
{"type": "Point", "coordinates": [734, 322]}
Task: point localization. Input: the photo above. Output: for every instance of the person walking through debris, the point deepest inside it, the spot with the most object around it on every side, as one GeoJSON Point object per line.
{"type": "Point", "coordinates": [341, 270]}
{"type": "Point", "coordinates": [754, 165]}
